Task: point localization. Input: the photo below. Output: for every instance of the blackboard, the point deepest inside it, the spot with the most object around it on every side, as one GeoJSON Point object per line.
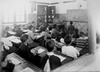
{"type": "Point", "coordinates": [77, 15]}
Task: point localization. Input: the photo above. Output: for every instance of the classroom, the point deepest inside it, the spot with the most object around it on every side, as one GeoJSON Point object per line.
{"type": "Point", "coordinates": [49, 36]}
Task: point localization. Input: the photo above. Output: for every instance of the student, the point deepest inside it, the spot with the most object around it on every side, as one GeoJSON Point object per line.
{"type": "Point", "coordinates": [71, 28]}
{"type": "Point", "coordinates": [68, 49]}
{"type": "Point", "coordinates": [76, 35]}
{"type": "Point", "coordinates": [82, 42]}
{"type": "Point", "coordinates": [52, 60]}
{"type": "Point", "coordinates": [23, 49]}
{"type": "Point", "coordinates": [31, 32]}
{"type": "Point", "coordinates": [55, 32]}
{"type": "Point", "coordinates": [32, 36]}
{"type": "Point", "coordinates": [56, 20]}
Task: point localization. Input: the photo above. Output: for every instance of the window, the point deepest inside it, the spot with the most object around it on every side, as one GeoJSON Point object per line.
{"type": "Point", "coordinates": [14, 12]}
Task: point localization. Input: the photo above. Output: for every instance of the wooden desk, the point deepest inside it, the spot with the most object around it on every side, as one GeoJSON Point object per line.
{"type": "Point", "coordinates": [23, 64]}
{"type": "Point", "coordinates": [76, 65]}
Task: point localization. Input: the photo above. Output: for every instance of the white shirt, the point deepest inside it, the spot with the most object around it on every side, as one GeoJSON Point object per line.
{"type": "Point", "coordinates": [70, 51]}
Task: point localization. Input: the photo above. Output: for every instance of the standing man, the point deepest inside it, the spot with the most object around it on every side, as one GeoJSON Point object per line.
{"type": "Point", "coordinates": [71, 28]}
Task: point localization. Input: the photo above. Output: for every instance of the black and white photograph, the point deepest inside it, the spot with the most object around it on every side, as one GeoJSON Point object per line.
{"type": "Point", "coordinates": [49, 35]}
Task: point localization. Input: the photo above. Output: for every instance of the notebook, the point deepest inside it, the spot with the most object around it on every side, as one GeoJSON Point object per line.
{"type": "Point", "coordinates": [11, 32]}
{"type": "Point", "coordinates": [16, 40]}
{"type": "Point", "coordinates": [14, 60]}
{"type": "Point", "coordinates": [27, 70]}
{"type": "Point", "coordinates": [40, 50]}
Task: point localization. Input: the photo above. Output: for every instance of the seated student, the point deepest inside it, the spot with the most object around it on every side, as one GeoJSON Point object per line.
{"type": "Point", "coordinates": [81, 42]}
{"type": "Point", "coordinates": [73, 41]}
{"type": "Point", "coordinates": [76, 35]}
{"type": "Point", "coordinates": [32, 36]}
{"type": "Point", "coordinates": [18, 32]}
{"type": "Point", "coordinates": [68, 49]}
{"type": "Point", "coordinates": [55, 32]}
{"type": "Point", "coordinates": [23, 49]}
{"type": "Point", "coordinates": [50, 59]}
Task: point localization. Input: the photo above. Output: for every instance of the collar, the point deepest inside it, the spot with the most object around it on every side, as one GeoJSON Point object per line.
{"type": "Point", "coordinates": [50, 53]}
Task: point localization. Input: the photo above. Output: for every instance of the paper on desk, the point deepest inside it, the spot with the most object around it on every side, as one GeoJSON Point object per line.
{"type": "Point", "coordinates": [12, 37]}
{"type": "Point", "coordinates": [40, 50]}
{"type": "Point", "coordinates": [14, 61]}
{"type": "Point", "coordinates": [11, 32]}
{"type": "Point", "coordinates": [27, 70]}
{"type": "Point", "coordinates": [16, 40]}
{"type": "Point", "coordinates": [61, 57]}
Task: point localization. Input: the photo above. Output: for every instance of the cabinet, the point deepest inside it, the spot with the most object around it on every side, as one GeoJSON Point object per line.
{"type": "Point", "coordinates": [50, 14]}
{"type": "Point", "coordinates": [41, 15]}
{"type": "Point", "coordinates": [45, 14]}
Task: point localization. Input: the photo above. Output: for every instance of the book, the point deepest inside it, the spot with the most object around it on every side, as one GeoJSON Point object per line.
{"type": "Point", "coordinates": [14, 61]}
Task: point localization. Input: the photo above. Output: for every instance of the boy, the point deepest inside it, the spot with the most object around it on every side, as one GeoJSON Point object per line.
{"type": "Point", "coordinates": [68, 49]}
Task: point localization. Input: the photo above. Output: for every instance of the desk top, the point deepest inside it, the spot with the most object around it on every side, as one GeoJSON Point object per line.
{"type": "Point", "coordinates": [76, 65]}
{"type": "Point", "coordinates": [23, 63]}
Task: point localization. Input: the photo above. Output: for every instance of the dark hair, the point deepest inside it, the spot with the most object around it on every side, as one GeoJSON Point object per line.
{"type": "Point", "coordinates": [76, 30]}
{"type": "Point", "coordinates": [24, 37]}
{"type": "Point", "coordinates": [30, 27]}
{"type": "Point", "coordinates": [50, 28]}
{"type": "Point", "coordinates": [67, 39]}
{"type": "Point", "coordinates": [71, 22]}
{"type": "Point", "coordinates": [42, 28]}
{"type": "Point", "coordinates": [58, 38]}
{"type": "Point", "coordinates": [81, 34]}
{"type": "Point", "coordinates": [50, 45]}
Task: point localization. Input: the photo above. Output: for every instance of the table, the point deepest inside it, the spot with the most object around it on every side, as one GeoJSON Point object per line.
{"type": "Point", "coordinates": [23, 63]}
{"type": "Point", "coordinates": [76, 65]}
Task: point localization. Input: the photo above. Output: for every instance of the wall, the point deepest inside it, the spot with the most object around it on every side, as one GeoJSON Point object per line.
{"type": "Point", "coordinates": [63, 7]}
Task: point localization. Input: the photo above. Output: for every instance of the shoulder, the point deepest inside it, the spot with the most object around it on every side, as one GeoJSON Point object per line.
{"type": "Point", "coordinates": [53, 57]}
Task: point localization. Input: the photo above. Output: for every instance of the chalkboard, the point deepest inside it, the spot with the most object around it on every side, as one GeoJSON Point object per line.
{"type": "Point", "coordinates": [77, 15]}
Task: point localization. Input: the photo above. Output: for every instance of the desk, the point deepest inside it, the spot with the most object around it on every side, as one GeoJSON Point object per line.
{"type": "Point", "coordinates": [76, 65]}
{"type": "Point", "coordinates": [23, 64]}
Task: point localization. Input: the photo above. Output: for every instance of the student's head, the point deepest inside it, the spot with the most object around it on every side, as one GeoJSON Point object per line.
{"type": "Point", "coordinates": [71, 22]}
{"type": "Point", "coordinates": [42, 28]}
{"type": "Point", "coordinates": [82, 34]}
{"type": "Point", "coordinates": [67, 39]}
{"type": "Point", "coordinates": [76, 31]}
{"type": "Point", "coordinates": [7, 28]}
{"type": "Point", "coordinates": [32, 28]}
{"type": "Point", "coordinates": [50, 45]}
{"type": "Point", "coordinates": [24, 37]}
{"type": "Point", "coordinates": [50, 28]}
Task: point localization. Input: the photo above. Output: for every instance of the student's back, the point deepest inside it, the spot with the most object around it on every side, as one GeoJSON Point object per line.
{"type": "Point", "coordinates": [68, 49]}
{"type": "Point", "coordinates": [52, 59]}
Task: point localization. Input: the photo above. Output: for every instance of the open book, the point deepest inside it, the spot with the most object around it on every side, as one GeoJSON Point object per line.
{"type": "Point", "coordinates": [14, 60]}
{"type": "Point", "coordinates": [41, 50]}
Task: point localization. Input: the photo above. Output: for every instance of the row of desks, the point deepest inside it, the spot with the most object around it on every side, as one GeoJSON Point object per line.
{"type": "Point", "coordinates": [77, 64]}
{"type": "Point", "coordinates": [21, 64]}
